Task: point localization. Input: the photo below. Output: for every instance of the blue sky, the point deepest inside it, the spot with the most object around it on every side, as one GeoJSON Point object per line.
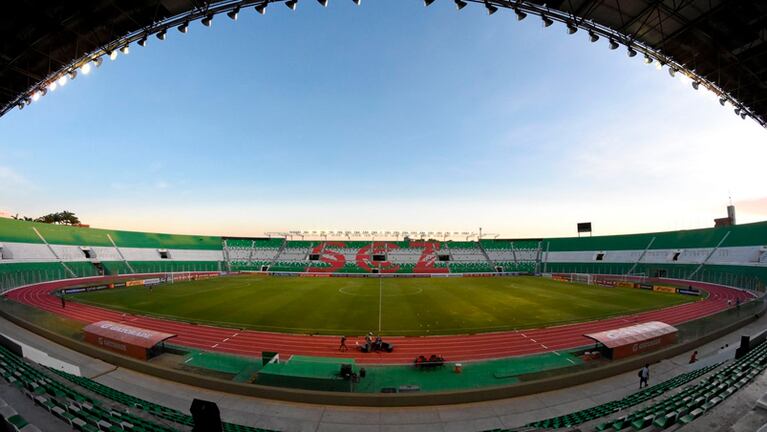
{"type": "Point", "coordinates": [380, 117]}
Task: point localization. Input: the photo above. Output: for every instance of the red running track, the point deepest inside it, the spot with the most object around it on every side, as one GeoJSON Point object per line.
{"type": "Point", "coordinates": [454, 348]}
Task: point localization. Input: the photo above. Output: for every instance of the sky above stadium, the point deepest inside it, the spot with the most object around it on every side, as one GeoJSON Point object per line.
{"type": "Point", "coordinates": [387, 116]}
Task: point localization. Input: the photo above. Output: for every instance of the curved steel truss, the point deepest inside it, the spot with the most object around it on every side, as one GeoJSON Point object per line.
{"type": "Point", "coordinates": [718, 45]}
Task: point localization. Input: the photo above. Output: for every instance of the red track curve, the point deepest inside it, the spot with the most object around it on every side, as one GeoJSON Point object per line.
{"type": "Point", "coordinates": [453, 348]}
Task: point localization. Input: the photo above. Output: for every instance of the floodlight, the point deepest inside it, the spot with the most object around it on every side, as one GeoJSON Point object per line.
{"type": "Point", "coordinates": [233, 14]}
{"type": "Point", "coordinates": [291, 4]}
{"type": "Point", "coordinates": [142, 42]}
{"type": "Point", "coordinates": [125, 49]}
{"type": "Point", "coordinates": [743, 114]}
{"type": "Point", "coordinates": [460, 4]}
{"type": "Point", "coordinates": [613, 44]}
{"type": "Point", "coordinates": [184, 27]}
{"type": "Point", "coordinates": [324, 3]}
{"type": "Point", "coordinates": [72, 74]}
{"type": "Point", "coordinates": [20, 105]}
{"type": "Point", "coordinates": [546, 21]}
{"type": "Point", "coordinates": [737, 111]}
{"type": "Point", "coordinates": [36, 96]}
{"type": "Point", "coordinates": [520, 15]}
{"type": "Point", "coordinates": [86, 68]}
{"type": "Point", "coordinates": [161, 34]}
{"type": "Point", "coordinates": [490, 8]}
{"type": "Point", "coordinates": [672, 71]}
{"type": "Point", "coordinates": [427, 2]}
{"type": "Point", "coordinates": [647, 59]}
{"type": "Point", "coordinates": [695, 85]}
{"type": "Point", "coordinates": [357, 2]}
{"type": "Point", "coordinates": [593, 37]}
{"type": "Point", "coordinates": [62, 80]}
{"type": "Point", "coordinates": [722, 101]}
{"type": "Point", "coordinates": [52, 86]}
{"type": "Point", "coordinates": [631, 52]}
{"type": "Point", "coordinates": [571, 28]}
{"type": "Point", "coordinates": [112, 55]}
{"type": "Point", "coordinates": [207, 21]}
{"type": "Point", "coordinates": [261, 8]}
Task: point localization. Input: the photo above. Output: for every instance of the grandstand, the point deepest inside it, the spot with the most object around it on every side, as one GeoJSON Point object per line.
{"type": "Point", "coordinates": [32, 252]}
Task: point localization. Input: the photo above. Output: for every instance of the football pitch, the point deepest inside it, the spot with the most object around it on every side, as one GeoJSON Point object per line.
{"type": "Point", "coordinates": [393, 306]}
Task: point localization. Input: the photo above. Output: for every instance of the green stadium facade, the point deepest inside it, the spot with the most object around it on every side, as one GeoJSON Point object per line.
{"type": "Point", "coordinates": [32, 252]}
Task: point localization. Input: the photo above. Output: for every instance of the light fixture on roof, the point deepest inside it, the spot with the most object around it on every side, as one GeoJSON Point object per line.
{"type": "Point", "coordinates": [427, 3]}
{"type": "Point", "coordinates": [97, 61]}
{"type": "Point", "coordinates": [184, 27]}
{"type": "Point", "coordinates": [695, 85]}
{"type": "Point", "coordinates": [647, 59]}
{"type": "Point", "coordinates": [613, 45]}
{"type": "Point", "coordinates": [631, 52]}
{"type": "Point", "coordinates": [743, 114]}
{"type": "Point", "coordinates": [593, 37]}
{"type": "Point", "coordinates": [460, 4]}
{"type": "Point", "coordinates": [142, 42]}
{"type": "Point", "coordinates": [207, 21]}
{"type": "Point", "coordinates": [234, 13]}
{"type": "Point", "coordinates": [72, 74]}
{"type": "Point", "coordinates": [36, 96]}
{"type": "Point", "coordinates": [20, 105]}
{"type": "Point", "coordinates": [324, 3]}
{"type": "Point", "coordinates": [520, 15]}
{"type": "Point", "coordinates": [672, 71]}
{"type": "Point", "coordinates": [722, 100]}
{"type": "Point", "coordinates": [125, 50]}
{"type": "Point", "coordinates": [291, 4]}
{"type": "Point", "coordinates": [112, 55]}
{"type": "Point", "coordinates": [86, 68]}
{"type": "Point", "coordinates": [62, 80]}
{"type": "Point", "coordinates": [571, 28]}
{"type": "Point", "coordinates": [490, 8]}
{"type": "Point", "coordinates": [161, 34]}
{"type": "Point", "coordinates": [262, 8]}
{"type": "Point", "coordinates": [737, 111]}
{"type": "Point", "coordinates": [659, 65]}
{"type": "Point", "coordinates": [546, 21]}
{"type": "Point", "coordinates": [52, 86]}
{"type": "Point", "coordinates": [357, 2]}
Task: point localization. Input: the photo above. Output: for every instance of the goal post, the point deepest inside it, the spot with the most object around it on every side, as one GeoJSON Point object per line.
{"type": "Point", "coordinates": [584, 278]}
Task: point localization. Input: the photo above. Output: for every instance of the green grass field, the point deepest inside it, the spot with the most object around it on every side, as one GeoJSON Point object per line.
{"type": "Point", "coordinates": [418, 306]}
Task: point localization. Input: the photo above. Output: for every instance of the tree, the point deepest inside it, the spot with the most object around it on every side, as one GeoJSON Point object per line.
{"type": "Point", "coordinates": [23, 218]}
{"type": "Point", "coordinates": [61, 218]}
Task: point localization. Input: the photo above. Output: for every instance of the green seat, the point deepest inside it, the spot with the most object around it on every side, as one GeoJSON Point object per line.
{"type": "Point", "coordinates": [697, 412]}
{"type": "Point", "coordinates": [665, 421]}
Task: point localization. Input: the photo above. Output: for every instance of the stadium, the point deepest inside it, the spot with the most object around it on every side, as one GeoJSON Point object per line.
{"type": "Point", "coordinates": [363, 329]}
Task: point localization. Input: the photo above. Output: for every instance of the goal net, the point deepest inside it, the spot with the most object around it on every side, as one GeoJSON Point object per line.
{"type": "Point", "coordinates": [583, 278]}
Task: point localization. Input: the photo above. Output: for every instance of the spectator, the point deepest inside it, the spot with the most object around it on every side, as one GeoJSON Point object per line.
{"type": "Point", "coordinates": [644, 375]}
{"type": "Point", "coordinates": [694, 357]}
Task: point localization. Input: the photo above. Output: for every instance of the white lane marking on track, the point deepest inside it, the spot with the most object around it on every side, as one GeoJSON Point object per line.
{"type": "Point", "coordinates": [544, 346]}
{"type": "Point", "coordinates": [225, 340]}
{"type": "Point", "coordinates": [523, 335]}
{"type": "Point", "coordinates": [214, 346]}
{"type": "Point", "coordinates": [570, 361]}
{"type": "Point", "coordinates": [533, 340]}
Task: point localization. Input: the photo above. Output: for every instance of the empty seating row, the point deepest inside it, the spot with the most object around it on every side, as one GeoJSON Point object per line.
{"type": "Point", "coordinates": [695, 400]}
{"type": "Point", "coordinates": [85, 413]}
{"type": "Point", "coordinates": [589, 414]}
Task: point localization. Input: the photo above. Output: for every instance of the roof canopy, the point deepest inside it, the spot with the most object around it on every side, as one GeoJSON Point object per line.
{"type": "Point", "coordinates": [633, 334]}
{"type": "Point", "coordinates": [721, 41]}
{"type": "Point", "coordinates": [127, 334]}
